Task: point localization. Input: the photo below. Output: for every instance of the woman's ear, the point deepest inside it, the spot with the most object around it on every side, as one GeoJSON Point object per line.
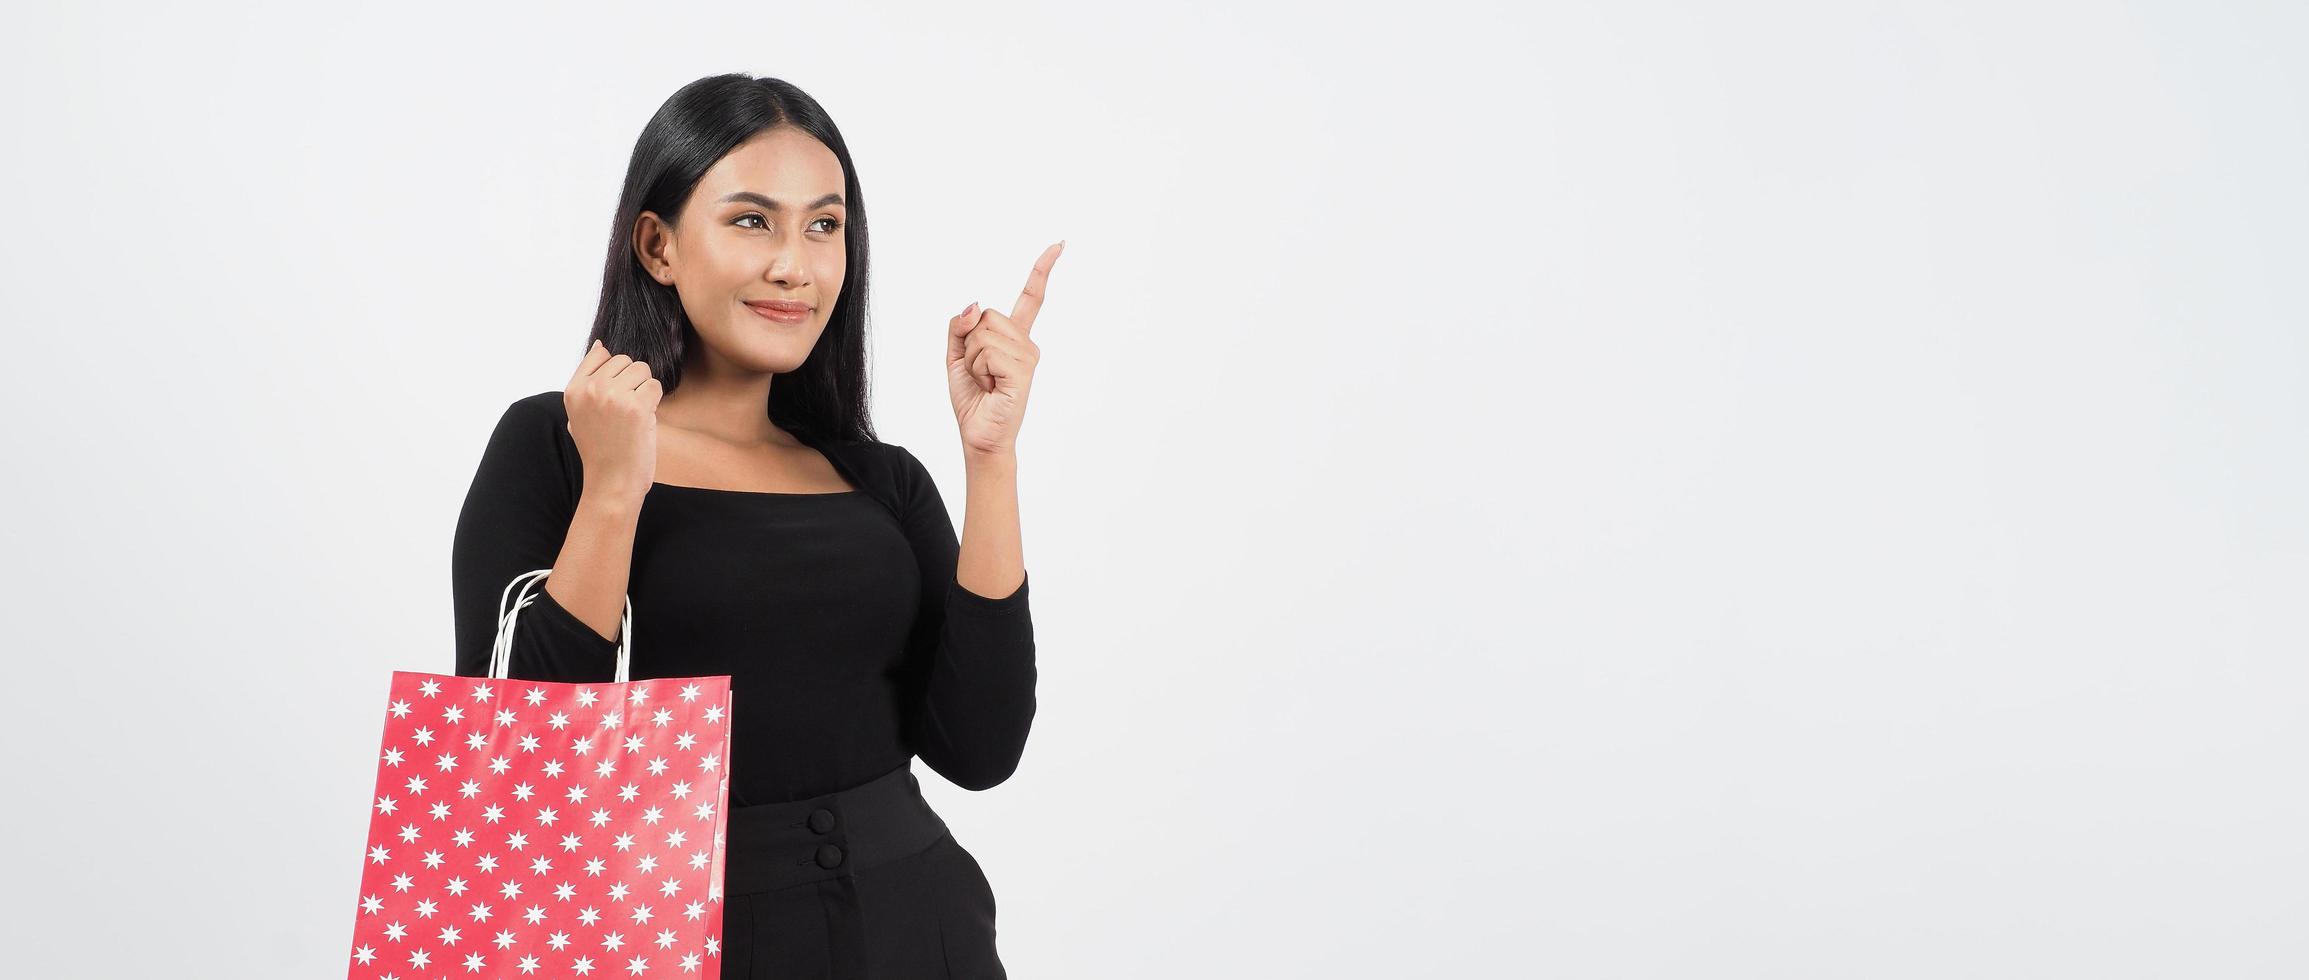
{"type": "Point", "coordinates": [653, 247]}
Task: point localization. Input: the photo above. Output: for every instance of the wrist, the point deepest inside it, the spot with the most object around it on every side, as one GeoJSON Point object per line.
{"type": "Point", "coordinates": [1005, 458]}
{"type": "Point", "coordinates": [610, 503]}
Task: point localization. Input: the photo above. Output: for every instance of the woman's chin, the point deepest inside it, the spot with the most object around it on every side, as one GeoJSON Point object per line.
{"type": "Point", "coordinates": [781, 353]}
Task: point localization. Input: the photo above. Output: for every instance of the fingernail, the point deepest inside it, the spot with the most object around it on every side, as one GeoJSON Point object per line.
{"type": "Point", "coordinates": [972, 308]}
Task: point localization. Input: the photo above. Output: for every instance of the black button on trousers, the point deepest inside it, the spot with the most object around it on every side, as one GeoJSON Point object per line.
{"type": "Point", "coordinates": [864, 883]}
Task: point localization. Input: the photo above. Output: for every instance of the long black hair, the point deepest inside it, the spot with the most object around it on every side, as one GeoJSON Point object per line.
{"type": "Point", "coordinates": [643, 318]}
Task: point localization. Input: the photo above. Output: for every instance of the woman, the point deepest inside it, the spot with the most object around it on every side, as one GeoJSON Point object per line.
{"type": "Point", "coordinates": [712, 460]}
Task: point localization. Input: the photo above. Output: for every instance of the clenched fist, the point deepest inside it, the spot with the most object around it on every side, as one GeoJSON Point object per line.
{"type": "Point", "coordinates": [612, 402]}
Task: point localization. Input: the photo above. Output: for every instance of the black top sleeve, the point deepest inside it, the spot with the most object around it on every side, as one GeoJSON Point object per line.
{"type": "Point", "coordinates": [516, 514]}
{"type": "Point", "coordinates": [973, 688]}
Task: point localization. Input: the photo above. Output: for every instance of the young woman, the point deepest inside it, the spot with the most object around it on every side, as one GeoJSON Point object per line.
{"type": "Point", "coordinates": [712, 461]}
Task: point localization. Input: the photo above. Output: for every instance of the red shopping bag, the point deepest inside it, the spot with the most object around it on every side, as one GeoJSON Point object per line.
{"type": "Point", "coordinates": [541, 829]}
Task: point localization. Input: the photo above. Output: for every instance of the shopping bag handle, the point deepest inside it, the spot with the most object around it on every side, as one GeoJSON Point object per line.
{"type": "Point", "coordinates": [501, 653]}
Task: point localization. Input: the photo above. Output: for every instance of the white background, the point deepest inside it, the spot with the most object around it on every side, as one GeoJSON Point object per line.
{"type": "Point", "coordinates": [1610, 490]}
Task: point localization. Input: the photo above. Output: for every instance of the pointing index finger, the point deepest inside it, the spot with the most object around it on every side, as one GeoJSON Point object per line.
{"type": "Point", "coordinates": [1030, 299]}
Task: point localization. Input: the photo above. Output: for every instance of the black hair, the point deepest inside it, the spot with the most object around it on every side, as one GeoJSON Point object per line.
{"type": "Point", "coordinates": [643, 319]}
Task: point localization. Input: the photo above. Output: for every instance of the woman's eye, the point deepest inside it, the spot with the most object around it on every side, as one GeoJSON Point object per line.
{"type": "Point", "coordinates": [831, 223]}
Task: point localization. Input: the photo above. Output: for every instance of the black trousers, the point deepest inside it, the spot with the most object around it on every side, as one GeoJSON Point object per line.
{"type": "Point", "coordinates": [864, 883]}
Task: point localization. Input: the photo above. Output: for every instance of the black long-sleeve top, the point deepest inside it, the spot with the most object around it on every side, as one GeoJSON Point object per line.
{"type": "Point", "coordinates": [850, 644]}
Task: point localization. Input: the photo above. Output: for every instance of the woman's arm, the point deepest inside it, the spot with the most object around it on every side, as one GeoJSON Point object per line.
{"type": "Point", "coordinates": [972, 652]}
{"type": "Point", "coordinates": [993, 561]}
{"type": "Point", "coordinates": [519, 515]}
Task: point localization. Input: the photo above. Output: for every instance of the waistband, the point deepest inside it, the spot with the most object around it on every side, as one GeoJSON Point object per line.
{"type": "Point", "coordinates": [778, 845]}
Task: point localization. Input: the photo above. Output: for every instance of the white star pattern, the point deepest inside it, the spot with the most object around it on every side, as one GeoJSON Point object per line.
{"type": "Point", "coordinates": [428, 907]}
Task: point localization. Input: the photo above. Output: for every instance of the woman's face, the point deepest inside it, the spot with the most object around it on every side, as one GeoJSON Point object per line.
{"type": "Point", "coordinates": [765, 224]}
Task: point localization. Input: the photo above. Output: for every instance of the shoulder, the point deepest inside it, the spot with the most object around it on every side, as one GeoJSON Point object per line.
{"type": "Point", "coordinates": [882, 463]}
{"type": "Point", "coordinates": [887, 470]}
{"type": "Point", "coordinates": [534, 417]}
{"type": "Point", "coordinates": [538, 423]}
{"type": "Point", "coordinates": [543, 406]}
{"type": "Point", "coordinates": [532, 446]}
{"type": "Point", "coordinates": [540, 420]}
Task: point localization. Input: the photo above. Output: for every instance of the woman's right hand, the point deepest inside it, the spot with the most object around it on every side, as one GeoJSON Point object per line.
{"type": "Point", "coordinates": [612, 402]}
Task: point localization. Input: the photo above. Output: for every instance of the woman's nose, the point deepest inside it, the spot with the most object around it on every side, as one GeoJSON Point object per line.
{"type": "Point", "coordinates": [786, 266]}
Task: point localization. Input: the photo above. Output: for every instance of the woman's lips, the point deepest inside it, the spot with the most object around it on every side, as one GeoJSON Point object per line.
{"type": "Point", "coordinates": [780, 316]}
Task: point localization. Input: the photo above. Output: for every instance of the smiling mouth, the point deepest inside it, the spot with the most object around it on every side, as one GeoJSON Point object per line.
{"type": "Point", "coordinates": [779, 316]}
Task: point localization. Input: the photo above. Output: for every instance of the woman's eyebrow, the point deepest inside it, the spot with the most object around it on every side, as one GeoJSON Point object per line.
{"type": "Point", "coordinates": [759, 201]}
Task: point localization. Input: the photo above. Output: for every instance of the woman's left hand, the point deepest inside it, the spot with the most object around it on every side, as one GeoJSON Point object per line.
{"type": "Point", "coordinates": [990, 361]}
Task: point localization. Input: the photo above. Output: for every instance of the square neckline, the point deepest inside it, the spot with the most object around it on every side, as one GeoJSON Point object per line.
{"type": "Point", "coordinates": [759, 493]}
{"type": "Point", "coordinates": [839, 470]}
